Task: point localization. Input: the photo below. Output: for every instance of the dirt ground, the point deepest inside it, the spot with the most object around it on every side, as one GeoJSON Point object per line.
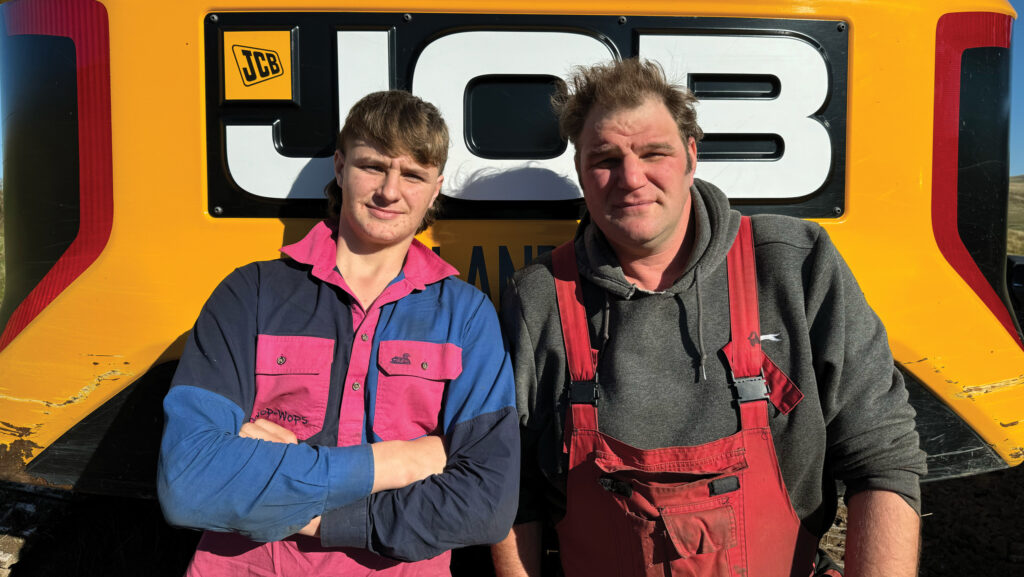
{"type": "Point", "coordinates": [972, 526]}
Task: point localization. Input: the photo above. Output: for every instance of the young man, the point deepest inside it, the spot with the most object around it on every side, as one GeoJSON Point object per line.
{"type": "Point", "coordinates": [363, 347]}
{"type": "Point", "coordinates": [691, 383]}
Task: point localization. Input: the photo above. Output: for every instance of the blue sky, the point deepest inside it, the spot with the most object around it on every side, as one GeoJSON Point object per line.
{"type": "Point", "coordinates": [1016, 90]}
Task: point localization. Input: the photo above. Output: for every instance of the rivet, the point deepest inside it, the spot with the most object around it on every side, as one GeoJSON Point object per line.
{"type": "Point", "coordinates": [424, 365]}
{"type": "Point", "coordinates": [214, 18]}
{"type": "Point", "coordinates": [836, 210]}
{"type": "Point", "coordinates": [841, 26]}
{"type": "Point", "coordinates": [281, 360]}
{"type": "Point", "coordinates": [355, 386]}
{"type": "Point", "coordinates": [407, 17]}
{"type": "Point", "coordinates": [363, 337]}
{"type": "Point", "coordinates": [622, 20]}
{"type": "Point", "coordinates": [217, 211]}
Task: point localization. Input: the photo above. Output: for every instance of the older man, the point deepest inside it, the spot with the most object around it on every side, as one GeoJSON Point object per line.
{"type": "Point", "coordinates": [691, 383]}
{"type": "Point", "coordinates": [363, 346]}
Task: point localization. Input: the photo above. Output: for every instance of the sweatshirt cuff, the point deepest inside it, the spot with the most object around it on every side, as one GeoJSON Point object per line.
{"type": "Point", "coordinates": [347, 526]}
{"type": "Point", "coordinates": [906, 484]}
{"type": "Point", "coordinates": [350, 475]}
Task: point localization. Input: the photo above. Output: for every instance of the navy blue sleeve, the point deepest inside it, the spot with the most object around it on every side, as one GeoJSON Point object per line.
{"type": "Point", "coordinates": [474, 500]}
{"type": "Point", "coordinates": [210, 478]}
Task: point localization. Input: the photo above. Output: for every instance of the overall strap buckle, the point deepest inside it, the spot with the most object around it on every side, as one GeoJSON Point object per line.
{"type": "Point", "coordinates": [750, 389]}
{"type": "Point", "coordinates": [584, 393]}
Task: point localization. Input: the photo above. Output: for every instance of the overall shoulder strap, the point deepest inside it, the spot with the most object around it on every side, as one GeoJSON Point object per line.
{"type": "Point", "coordinates": [744, 352]}
{"type": "Point", "coordinates": [754, 375]}
{"type": "Point", "coordinates": [582, 359]}
{"type": "Point", "coordinates": [572, 314]}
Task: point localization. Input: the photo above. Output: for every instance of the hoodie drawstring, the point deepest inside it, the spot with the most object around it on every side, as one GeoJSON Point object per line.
{"type": "Point", "coordinates": [700, 326]}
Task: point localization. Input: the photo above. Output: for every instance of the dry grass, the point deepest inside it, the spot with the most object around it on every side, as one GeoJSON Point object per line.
{"type": "Point", "coordinates": [1015, 225]}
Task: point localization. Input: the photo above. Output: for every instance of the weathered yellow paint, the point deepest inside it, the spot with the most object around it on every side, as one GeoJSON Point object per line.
{"type": "Point", "coordinates": [165, 246]}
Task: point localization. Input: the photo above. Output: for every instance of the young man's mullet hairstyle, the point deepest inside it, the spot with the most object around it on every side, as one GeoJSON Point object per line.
{"type": "Point", "coordinates": [397, 123]}
{"type": "Point", "coordinates": [619, 85]}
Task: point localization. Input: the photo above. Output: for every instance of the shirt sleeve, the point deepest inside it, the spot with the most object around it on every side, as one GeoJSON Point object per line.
{"type": "Point", "coordinates": [208, 477]}
{"type": "Point", "coordinates": [474, 500]}
{"type": "Point", "coordinates": [872, 440]}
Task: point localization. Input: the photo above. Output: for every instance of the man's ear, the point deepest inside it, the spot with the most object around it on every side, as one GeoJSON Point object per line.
{"type": "Point", "coordinates": [339, 165]}
{"type": "Point", "coordinates": [437, 191]}
{"type": "Point", "coordinates": [691, 153]}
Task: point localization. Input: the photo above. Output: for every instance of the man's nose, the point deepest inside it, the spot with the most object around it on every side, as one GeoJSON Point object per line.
{"type": "Point", "coordinates": [632, 173]}
{"type": "Point", "coordinates": [389, 190]}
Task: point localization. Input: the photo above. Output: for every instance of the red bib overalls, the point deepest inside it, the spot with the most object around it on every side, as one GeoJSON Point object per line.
{"type": "Point", "coordinates": [718, 509]}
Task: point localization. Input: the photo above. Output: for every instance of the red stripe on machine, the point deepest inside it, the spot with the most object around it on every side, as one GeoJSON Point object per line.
{"type": "Point", "coordinates": [85, 23]}
{"type": "Point", "coordinates": [954, 34]}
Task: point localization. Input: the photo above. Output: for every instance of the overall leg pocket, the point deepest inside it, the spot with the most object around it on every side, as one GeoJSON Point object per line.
{"type": "Point", "coordinates": [293, 377]}
{"type": "Point", "coordinates": [702, 537]}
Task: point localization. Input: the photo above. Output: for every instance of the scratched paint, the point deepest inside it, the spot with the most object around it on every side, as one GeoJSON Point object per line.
{"type": "Point", "coordinates": [977, 390]}
{"type": "Point", "coordinates": [83, 393]}
{"type": "Point", "coordinates": [12, 430]}
{"type": "Point", "coordinates": [13, 457]}
{"type": "Point", "coordinates": [1013, 424]}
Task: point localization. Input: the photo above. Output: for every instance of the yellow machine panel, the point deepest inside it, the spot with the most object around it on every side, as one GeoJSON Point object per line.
{"type": "Point", "coordinates": [219, 122]}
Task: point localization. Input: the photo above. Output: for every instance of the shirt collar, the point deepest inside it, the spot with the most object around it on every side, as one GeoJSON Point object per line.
{"type": "Point", "coordinates": [319, 249]}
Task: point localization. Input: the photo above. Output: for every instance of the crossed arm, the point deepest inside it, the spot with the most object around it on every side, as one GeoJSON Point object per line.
{"type": "Point", "coordinates": [396, 464]}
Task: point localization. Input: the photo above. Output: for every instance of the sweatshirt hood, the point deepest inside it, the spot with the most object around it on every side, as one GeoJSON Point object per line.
{"type": "Point", "coordinates": [716, 227]}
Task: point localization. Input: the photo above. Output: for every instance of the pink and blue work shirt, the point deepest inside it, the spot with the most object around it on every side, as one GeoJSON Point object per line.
{"type": "Point", "coordinates": [287, 341]}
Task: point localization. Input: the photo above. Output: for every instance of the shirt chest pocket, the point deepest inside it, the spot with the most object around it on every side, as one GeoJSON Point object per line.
{"type": "Point", "coordinates": [293, 377]}
{"type": "Point", "coordinates": [410, 387]}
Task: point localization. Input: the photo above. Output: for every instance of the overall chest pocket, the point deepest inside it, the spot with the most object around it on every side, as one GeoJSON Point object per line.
{"type": "Point", "coordinates": [293, 377]}
{"type": "Point", "coordinates": [410, 387]}
{"type": "Point", "coordinates": [679, 519]}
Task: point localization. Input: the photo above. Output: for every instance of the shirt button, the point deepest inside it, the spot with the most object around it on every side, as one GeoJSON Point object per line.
{"type": "Point", "coordinates": [281, 360]}
{"type": "Point", "coordinates": [424, 365]}
{"type": "Point", "coordinates": [363, 337]}
{"type": "Point", "coordinates": [355, 386]}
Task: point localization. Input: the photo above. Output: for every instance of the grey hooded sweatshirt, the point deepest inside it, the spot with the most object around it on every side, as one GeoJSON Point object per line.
{"type": "Point", "coordinates": [853, 425]}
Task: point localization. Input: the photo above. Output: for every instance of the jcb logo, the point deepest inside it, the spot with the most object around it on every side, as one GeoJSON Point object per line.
{"type": "Point", "coordinates": [257, 64]}
{"type": "Point", "coordinates": [773, 104]}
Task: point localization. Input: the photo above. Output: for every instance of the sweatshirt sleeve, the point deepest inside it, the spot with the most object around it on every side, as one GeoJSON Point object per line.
{"type": "Point", "coordinates": [474, 500]}
{"type": "Point", "coordinates": [872, 441]}
{"type": "Point", "coordinates": [208, 477]}
{"type": "Point", "coordinates": [533, 485]}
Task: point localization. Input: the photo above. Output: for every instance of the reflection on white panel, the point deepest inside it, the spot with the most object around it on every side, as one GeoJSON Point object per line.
{"type": "Point", "coordinates": [364, 66]}
{"type": "Point", "coordinates": [258, 168]}
{"type": "Point", "coordinates": [448, 64]}
{"type": "Point", "coordinates": [803, 79]}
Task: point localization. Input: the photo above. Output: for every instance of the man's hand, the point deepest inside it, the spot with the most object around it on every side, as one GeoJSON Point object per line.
{"type": "Point", "coordinates": [400, 463]}
{"type": "Point", "coordinates": [266, 431]}
{"type": "Point", "coordinates": [883, 536]}
{"type": "Point", "coordinates": [519, 554]}
{"type": "Point", "coordinates": [312, 529]}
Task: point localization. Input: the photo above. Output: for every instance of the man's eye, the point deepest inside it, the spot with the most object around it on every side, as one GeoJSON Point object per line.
{"type": "Point", "coordinates": [414, 177]}
{"type": "Point", "coordinates": [607, 163]}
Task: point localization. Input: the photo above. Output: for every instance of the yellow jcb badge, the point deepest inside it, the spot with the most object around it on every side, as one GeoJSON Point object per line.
{"type": "Point", "coordinates": [257, 65]}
